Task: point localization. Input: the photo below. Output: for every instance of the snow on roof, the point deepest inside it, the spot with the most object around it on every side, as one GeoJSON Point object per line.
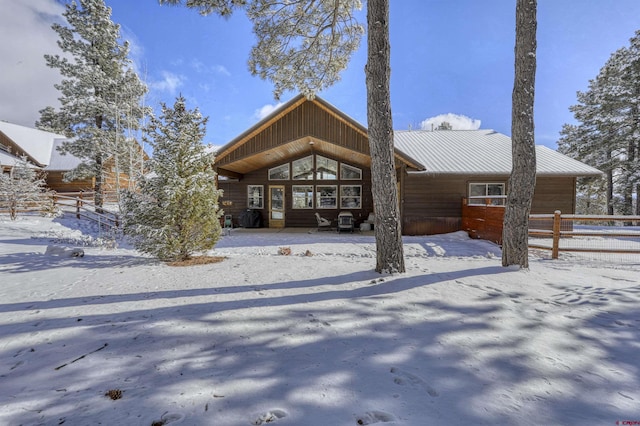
{"type": "Point", "coordinates": [37, 143]}
{"type": "Point", "coordinates": [485, 151]}
{"type": "Point", "coordinates": [59, 161]}
{"type": "Point", "coordinates": [7, 159]}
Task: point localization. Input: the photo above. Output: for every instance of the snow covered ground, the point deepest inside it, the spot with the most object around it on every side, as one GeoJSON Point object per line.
{"type": "Point", "coordinates": [314, 340]}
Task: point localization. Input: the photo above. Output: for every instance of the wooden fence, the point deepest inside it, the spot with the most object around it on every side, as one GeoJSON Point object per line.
{"type": "Point", "coordinates": [565, 236]}
{"type": "Point", "coordinates": [81, 203]}
{"type": "Point", "coordinates": [557, 232]}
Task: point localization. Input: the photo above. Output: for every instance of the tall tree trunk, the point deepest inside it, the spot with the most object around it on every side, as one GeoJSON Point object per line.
{"type": "Point", "coordinates": [522, 181]}
{"type": "Point", "coordinates": [98, 186]}
{"type": "Point", "coordinates": [609, 184]}
{"type": "Point", "coordinates": [387, 228]}
{"type": "Point", "coordinates": [629, 171]}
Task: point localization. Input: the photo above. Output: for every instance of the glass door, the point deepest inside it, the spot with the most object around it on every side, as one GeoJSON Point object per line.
{"type": "Point", "coordinates": [276, 206]}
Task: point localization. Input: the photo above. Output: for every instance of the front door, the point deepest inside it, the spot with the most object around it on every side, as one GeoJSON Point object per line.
{"type": "Point", "coordinates": [276, 206]}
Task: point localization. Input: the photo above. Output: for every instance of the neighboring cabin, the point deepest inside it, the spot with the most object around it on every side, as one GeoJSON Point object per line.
{"type": "Point", "coordinates": [309, 157]}
{"type": "Point", "coordinates": [41, 149]}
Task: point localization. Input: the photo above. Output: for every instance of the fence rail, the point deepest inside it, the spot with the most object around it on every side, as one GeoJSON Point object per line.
{"type": "Point", "coordinates": [79, 203]}
{"type": "Point", "coordinates": [76, 202]}
{"type": "Point", "coordinates": [566, 235]}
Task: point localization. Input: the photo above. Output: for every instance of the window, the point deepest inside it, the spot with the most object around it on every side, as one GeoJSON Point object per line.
{"type": "Point", "coordinates": [326, 168]}
{"type": "Point", "coordinates": [279, 173]}
{"type": "Point", "coordinates": [487, 193]}
{"type": "Point", "coordinates": [327, 196]}
{"type": "Point", "coordinates": [302, 196]}
{"type": "Point", "coordinates": [348, 172]}
{"type": "Point", "coordinates": [303, 168]}
{"type": "Point", "coordinates": [255, 196]}
{"type": "Point", "coordinates": [350, 196]}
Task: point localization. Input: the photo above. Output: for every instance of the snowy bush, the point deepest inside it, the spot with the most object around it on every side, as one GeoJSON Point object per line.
{"type": "Point", "coordinates": [175, 213]}
{"type": "Point", "coordinates": [24, 189]}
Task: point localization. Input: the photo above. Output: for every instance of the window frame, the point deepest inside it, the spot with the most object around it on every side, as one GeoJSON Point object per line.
{"type": "Point", "coordinates": [357, 198]}
{"type": "Point", "coordinates": [351, 169]}
{"type": "Point", "coordinates": [287, 173]}
{"type": "Point", "coordinates": [319, 197]}
{"type": "Point", "coordinates": [328, 160]}
{"type": "Point", "coordinates": [481, 200]}
{"type": "Point", "coordinates": [310, 173]}
{"type": "Point", "coordinates": [309, 200]}
{"type": "Point", "coordinates": [251, 196]}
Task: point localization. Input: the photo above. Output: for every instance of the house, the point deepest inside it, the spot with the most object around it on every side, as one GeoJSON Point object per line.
{"type": "Point", "coordinates": [41, 149]}
{"type": "Point", "coordinates": [475, 165]}
{"type": "Point", "coordinates": [308, 157]}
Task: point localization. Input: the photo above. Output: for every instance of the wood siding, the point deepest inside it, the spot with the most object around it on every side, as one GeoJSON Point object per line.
{"type": "Point", "coordinates": [56, 183]}
{"type": "Point", "coordinates": [306, 120]}
{"type": "Point", "coordinates": [484, 222]}
{"type": "Point", "coordinates": [433, 204]}
{"type": "Point", "coordinates": [554, 193]}
{"type": "Point", "coordinates": [234, 199]}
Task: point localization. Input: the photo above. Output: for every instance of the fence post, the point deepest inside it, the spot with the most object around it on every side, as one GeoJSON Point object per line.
{"type": "Point", "coordinates": [557, 220]}
{"type": "Point", "coordinates": [78, 204]}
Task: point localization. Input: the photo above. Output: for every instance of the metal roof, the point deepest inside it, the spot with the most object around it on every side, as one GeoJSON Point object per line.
{"type": "Point", "coordinates": [6, 159]}
{"type": "Point", "coordinates": [39, 145]}
{"type": "Point", "coordinates": [486, 152]}
{"type": "Point", "coordinates": [60, 162]}
{"type": "Point", "coordinates": [36, 143]}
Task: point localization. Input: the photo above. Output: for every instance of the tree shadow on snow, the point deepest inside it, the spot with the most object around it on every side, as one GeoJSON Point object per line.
{"type": "Point", "coordinates": [343, 356]}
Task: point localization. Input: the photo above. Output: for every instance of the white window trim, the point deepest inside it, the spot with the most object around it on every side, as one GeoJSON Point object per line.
{"type": "Point", "coordinates": [318, 198]}
{"type": "Point", "coordinates": [312, 170]}
{"type": "Point", "coordinates": [293, 197]}
{"type": "Point", "coordinates": [352, 169]}
{"type": "Point", "coordinates": [328, 160]}
{"type": "Point", "coordinates": [481, 200]}
{"type": "Point", "coordinates": [277, 167]}
{"type": "Point", "coordinates": [358, 197]}
{"type": "Point", "coordinates": [250, 196]}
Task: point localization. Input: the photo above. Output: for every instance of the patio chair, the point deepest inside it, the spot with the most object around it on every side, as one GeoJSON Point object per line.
{"type": "Point", "coordinates": [345, 221]}
{"type": "Point", "coordinates": [323, 224]}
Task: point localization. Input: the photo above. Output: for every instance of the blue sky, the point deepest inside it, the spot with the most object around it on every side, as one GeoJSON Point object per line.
{"type": "Point", "coordinates": [448, 57]}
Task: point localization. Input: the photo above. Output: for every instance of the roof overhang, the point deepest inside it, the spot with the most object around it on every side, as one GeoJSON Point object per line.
{"type": "Point", "coordinates": [294, 149]}
{"type": "Point", "coordinates": [303, 145]}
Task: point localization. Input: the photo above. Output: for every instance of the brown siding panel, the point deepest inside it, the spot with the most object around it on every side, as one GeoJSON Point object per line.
{"type": "Point", "coordinates": [432, 205]}
{"type": "Point", "coordinates": [553, 194]}
{"type": "Point", "coordinates": [306, 120]}
{"type": "Point", "coordinates": [56, 183]}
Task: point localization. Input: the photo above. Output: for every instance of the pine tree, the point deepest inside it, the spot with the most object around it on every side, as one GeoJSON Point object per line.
{"type": "Point", "coordinates": [23, 187]}
{"type": "Point", "coordinates": [522, 181]}
{"type": "Point", "coordinates": [175, 213]}
{"type": "Point", "coordinates": [607, 135]}
{"type": "Point", "coordinates": [388, 231]}
{"type": "Point", "coordinates": [303, 46]}
{"type": "Point", "coordinates": [100, 93]}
